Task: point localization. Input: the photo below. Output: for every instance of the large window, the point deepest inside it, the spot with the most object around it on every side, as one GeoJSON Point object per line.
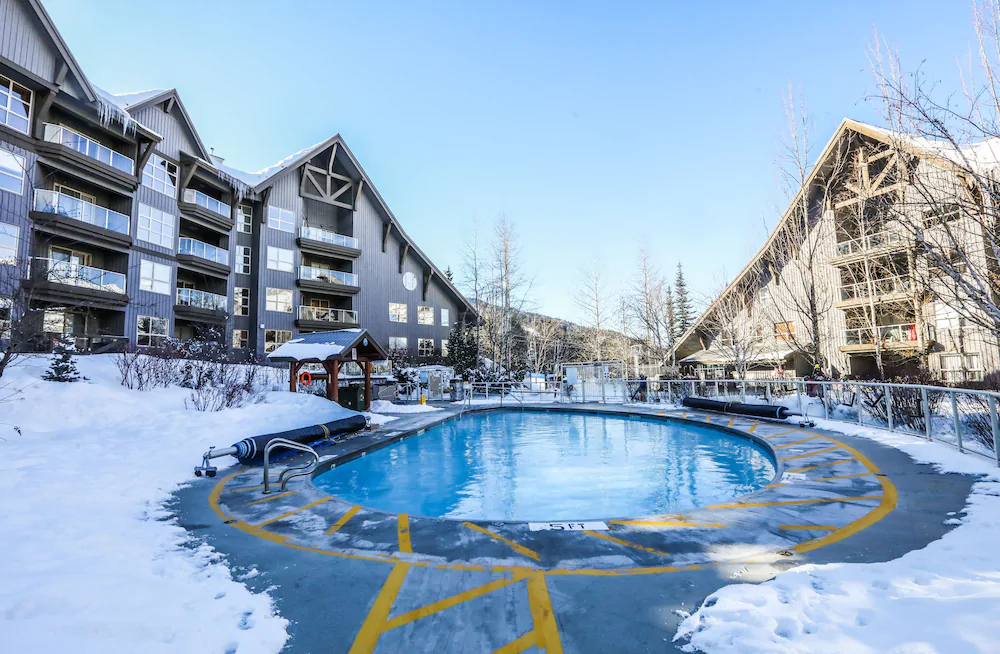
{"type": "Point", "coordinates": [280, 259]}
{"type": "Point", "coordinates": [444, 347]}
{"type": "Point", "coordinates": [445, 318]}
{"type": "Point", "coordinates": [155, 226]}
{"type": "Point", "coordinates": [11, 172]}
{"type": "Point", "coordinates": [160, 175]}
{"type": "Point", "coordinates": [425, 347]}
{"type": "Point", "coordinates": [15, 105]}
{"type": "Point", "coordinates": [6, 308]}
{"type": "Point", "coordinates": [282, 219]}
{"type": "Point", "coordinates": [154, 277]}
{"type": "Point", "coordinates": [279, 299]}
{"type": "Point", "coordinates": [397, 342]}
{"type": "Point", "coordinates": [151, 331]}
{"type": "Point", "coordinates": [243, 258]}
{"type": "Point", "coordinates": [784, 331]}
{"type": "Point", "coordinates": [397, 312]}
{"type": "Point", "coordinates": [241, 301]}
{"type": "Point", "coordinates": [275, 337]}
{"type": "Point", "coordinates": [241, 338]}
{"type": "Point", "coordinates": [244, 222]}
{"type": "Point", "coordinates": [959, 367]}
{"type": "Point", "coordinates": [425, 315]}
{"type": "Point", "coordinates": [8, 243]}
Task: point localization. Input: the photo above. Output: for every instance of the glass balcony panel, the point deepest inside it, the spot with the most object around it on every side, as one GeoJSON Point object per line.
{"type": "Point", "coordinates": [877, 287]}
{"type": "Point", "coordinates": [870, 242]}
{"type": "Point", "coordinates": [64, 205]}
{"type": "Point", "coordinates": [328, 315]}
{"type": "Point", "coordinates": [317, 234]}
{"type": "Point", "coordinates": [191, 196]}
{"type": "Point", "coordinates": [190, 297]}
{"type": "Point", "coordinates": [202, 250]}
{"type": "Point", "coordinates": [901, 333]}
{"type": "Point", "coordinates": [88, 147]}
{"type": "Point", "coordinates": [74, 274]}
{"type": "Point", "coordinates": [328, 276]}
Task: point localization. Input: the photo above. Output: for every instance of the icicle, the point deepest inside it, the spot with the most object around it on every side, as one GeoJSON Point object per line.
{"type": "Point", "coordinates": [109, 113]}
{"type": "Point", "coordinates": [242, 189]}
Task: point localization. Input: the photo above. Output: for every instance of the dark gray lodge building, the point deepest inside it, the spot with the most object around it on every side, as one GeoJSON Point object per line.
{"type": "Point", "coordinates": [119, 224]}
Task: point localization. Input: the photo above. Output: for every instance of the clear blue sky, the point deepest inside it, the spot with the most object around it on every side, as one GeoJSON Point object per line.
{"type": "Point", "coordinates": [591, 126]}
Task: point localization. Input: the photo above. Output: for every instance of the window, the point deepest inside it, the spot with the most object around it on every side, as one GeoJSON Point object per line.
{"type": "Point", "coordinates": [784, 331]}
{"type": "Point", "coordinates": [275, 337]}
{"type": "Point", "coordinates": [57, 322]}
{"type": "Point", "coordinates": [151, 331]}
{"type": "Point", "coordinates": [425, 347]}
{"type": "Point", "coordinates": [397, 342]}
{"type": "Point", "coordinates": [244, 219]}
{"type": "Point", "coordinates": [154, 277]}
{"type": "Point", "coordinates": [280, 259]}
{"type": "Point", "coordinates": [444, 347]}
{"type": "Point", "coordinates": [445, 318]}
{"type": "Point", "coordinates": [6, 305]}
{"type": "Point", "coordinates": [241, 337]}
{"type": "Point", "coordinates": [279, 299]}
{"type": "Point", "coordinates": [11, 172]}
{"type": "Point", "coordinates": [425, 315]}
{"type": "Point", "coordinates": [241, 301]}
{"type": "Point", "coordinates": [8, 243]}
{"type": "Point", "coordinates": [243, 254]}
{"type": "Point", "coordinates": [160, 175]}
{"type": "Point", "coordinates": [73, 193]}
{"type": "Point", "coordinates": [15, 105]}
{"type": "Point", "coordinates": [155, 226]}
{"type": "Point", "coordinates": [283, 219]}
{"type": "Point", "coordinates": [947, 318]}
{"type": "Point", "coordinates": [961, 367]}
{"type": "Point", "coordinates": [941, 215]}
{"type": "Point", "coordinates": [397, 312]}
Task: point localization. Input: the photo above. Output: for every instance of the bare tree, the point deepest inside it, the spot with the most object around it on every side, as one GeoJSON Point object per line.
{"type": "Point", "coordinates": [653, 308]}
{"type": "Point", "coordinates": [592, 298]}
{"type": "Point", "coordinates": [738, 332]}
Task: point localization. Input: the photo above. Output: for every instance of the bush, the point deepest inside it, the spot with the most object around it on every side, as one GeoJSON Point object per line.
{"type": "Point", "coordinates": [226, 386]}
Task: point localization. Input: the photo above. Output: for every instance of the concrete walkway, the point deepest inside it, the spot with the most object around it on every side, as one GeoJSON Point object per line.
{"type": "Point", "coordinates": [354, 579]}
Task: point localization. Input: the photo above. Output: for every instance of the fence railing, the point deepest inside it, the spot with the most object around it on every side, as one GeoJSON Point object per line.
{"type": "Point", "coordinates": [328, 276]}
{"type": "Point", "coordinates": [76, 274]}
{"type": "Point", "coordinates": [326, 236]}
{"type": "Point", "coordinates": [202, 250]}
{"type": "Point", "coordinates": [877, 287]}
{"type": "Point", "coordinates": [328, 315]}
{"type": "Point", "coordinates": [870, 242]}
{"type": "Point", "coordinates": [88, 146]}
{"type": "Point", "coordinates": [888, 334]}
{"type": "Point", "coordinates": [64, 205]}
{"type": "Point", "coordinates": [190, 297]}
{"type": "Point", "coordinates": [192, 196]}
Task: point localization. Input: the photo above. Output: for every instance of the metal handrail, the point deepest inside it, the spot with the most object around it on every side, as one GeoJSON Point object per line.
{"type": "Point", "coordinates": [282, 479]}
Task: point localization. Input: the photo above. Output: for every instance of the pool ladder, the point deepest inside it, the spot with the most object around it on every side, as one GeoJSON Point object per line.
{"type": "Point", "coordinates": [290, 472]}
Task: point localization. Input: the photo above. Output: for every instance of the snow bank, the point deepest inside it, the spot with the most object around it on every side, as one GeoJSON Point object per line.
{"type": "Point", "coordinates": [92, 560]}
{"type": "Point", "coordinates": [382, 406]}
{"type": "Point", "coordinates": [943, 598]}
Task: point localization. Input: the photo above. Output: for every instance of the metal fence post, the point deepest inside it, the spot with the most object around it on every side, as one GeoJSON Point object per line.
{"type": "Point", "coordinates": [958, 423]}
{"type": "Point", "coordinates": [694, 391]}
{"type": "Point", "coordinates": [743, 392]}
{"type": "Point", "coordinates": [926, 406]}
{"type": "Point", "coordinates": [798, 395]}
{"type": "Point", "coordinates": [995, 425]}
{"type": "Point", "coordinates": [670, 392]}
{"type": "Point", "coordinates": [716, 388]}
{"type": "Point", "coordinates": [888, 406]}
{"type": "Point", "coordinates": [767, 392]}
{"type": "Point", "coordinates": [822, 398]}
{"type": "Point", "coordinates": [860, 405]}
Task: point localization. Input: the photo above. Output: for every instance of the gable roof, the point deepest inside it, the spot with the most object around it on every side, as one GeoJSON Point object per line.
{"type": "Point", "coordinates": [64, 51]}
{"type": "Point", "coordinates": [139, 100]}
{"type": "Point", "coordinates": [327, 346]}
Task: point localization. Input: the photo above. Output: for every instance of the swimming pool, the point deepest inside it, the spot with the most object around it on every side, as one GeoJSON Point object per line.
{"type": "Point", "coordinates": [534, 465]}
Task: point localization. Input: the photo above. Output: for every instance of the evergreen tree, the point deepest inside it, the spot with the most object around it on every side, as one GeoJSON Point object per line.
{"type": "Point", "coordinates": [683, 310]}
{"type": "Point", "coordinates": [450, 275]}
{"type": "Point", "coordinates": [63, 369]}
{"type": "Point", "coordinates": [461, 350]}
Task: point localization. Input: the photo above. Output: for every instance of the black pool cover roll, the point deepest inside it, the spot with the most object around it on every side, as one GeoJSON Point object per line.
{"type": "Point", "coordinates": [756, 410]}
{"type": "Point", "coordinates": [251, 450]}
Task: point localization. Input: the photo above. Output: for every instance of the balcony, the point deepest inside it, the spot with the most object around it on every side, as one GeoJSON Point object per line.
{"type": "Point", "coordinates": [327, 281]}
{"type": "Point", "coordinates": [322, 318]}
{"type": "Point", "coordinates": [901, 336]}
{"type": "Point", "coordinates": [878, 243]}
{"type": "Point", "coordinates": [321, 241]}
{"type": "Point", "coordinates": [83, 155]}
{"type": "Point", "coordinates": [206, 210]}
{"type": "Point", "coordinates": [201, 306]}
{"type": "Point", "coordinates": [70, 283]}
{"type": "Point", "coordinates": [68, 216]}
{"type": "Point", "coordinates": [202, 257]}
{"type": "Point", "coordinates": [886, 289]}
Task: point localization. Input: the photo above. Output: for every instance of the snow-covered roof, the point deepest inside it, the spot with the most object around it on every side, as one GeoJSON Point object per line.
{"type": "Point", "coordinates": [136, 97]}
{"type": "Point", "coordinates": [323, 346]}
{"type": "Point", "coordinates": [262, 175]}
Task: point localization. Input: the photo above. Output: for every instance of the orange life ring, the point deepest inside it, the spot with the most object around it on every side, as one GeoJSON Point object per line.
{"type": "Point", "coordinates": [306, 378]}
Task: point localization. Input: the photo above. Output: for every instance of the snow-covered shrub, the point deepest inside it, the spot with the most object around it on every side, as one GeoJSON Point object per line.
{"type": "Point", "coordinates": [227, 385]}
{"type": "Point", "coordinates": [63, 368]}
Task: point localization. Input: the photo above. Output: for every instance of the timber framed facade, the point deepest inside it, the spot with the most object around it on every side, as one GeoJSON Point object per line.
{"type": "Point", "coordinates": [124, 228]}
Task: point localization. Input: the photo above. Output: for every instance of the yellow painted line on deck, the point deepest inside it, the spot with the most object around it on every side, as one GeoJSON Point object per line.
{"type": "Point", "coordinates": [860, 474]}
{"type": "Point", "coordinates": [624, 543]}
{"type": "Point", "coordinates": [808, 527]}
{"type": "Point", "coordinates": [449, 602]}
{"type": "Point", "coordinates": [371, 628]}
{"type": "Point", "coordinates": [804, 440]}
{"type": "Point", "coordinates": [780, 433]}
{"type": "Point", "coordinates": [343, 519]}
{"type": "Point", "coordinates": [708, 418]}
{"type": "Point", "coordinates": [294, 511]}
{"type": "Point", "coordinates": [778, 485]}
{"type": "Point", "coordinates": [815, 453]}
{"type": "Point", "coordinates": [752, 427]}
{"type": "Point", "coordinates": [668, 523]}
{"type": "Point", "coordinates": [520, 549]}
{"type": "Point", "coordinates": [731, 421]}
{"type": "Point", "coordinates": [541, 611]}
{"type": "Point", "coordinates": [520, 644]}
{"type": "Point", "coordinates": [821, 465]}
{"type": "Point", "coordinates": [403, 527]}
{"type": "Point", "coordinates": [822, 500]}
{"type": "Point", "coordinates": [248, 488]}
{"type": "Point", "coordinates": [274, 497]}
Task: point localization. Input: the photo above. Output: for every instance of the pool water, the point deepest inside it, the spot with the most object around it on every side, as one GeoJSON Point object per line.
{"type": "Point", "coordinates": [547, 466]}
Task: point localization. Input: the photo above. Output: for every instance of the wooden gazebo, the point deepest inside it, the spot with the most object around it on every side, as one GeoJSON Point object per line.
{"type": "Point", "coordinates": [330, 349]}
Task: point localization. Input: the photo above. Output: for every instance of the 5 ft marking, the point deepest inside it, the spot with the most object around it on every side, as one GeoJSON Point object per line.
{"type": "Point", "coordinates": [568, 526]}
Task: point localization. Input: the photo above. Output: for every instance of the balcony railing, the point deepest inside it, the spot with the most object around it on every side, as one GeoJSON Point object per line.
{"type": "Point", "coordinates": [192, 196]}
{"type": "Point", "coordinates": [64, 205]}
{"type": "Point", "coordinates": [328, 276]}
{"type": "Point", "coordinates": [870, 242]}
{"type": "Point", "coordinates": [328, 315]}
{"type": "Point", "coordinates": [89, 147]}
{"type": "Point", "coordinates": [888, 334]}
{"type": "Point", "coordinates": [877, 287]}
{"type": "Point", "coordinates": [317, 234]}
{"type": "Point", "coordinates": [202, 250]}
{"type": "Point", "coordinates": [75, 274]}
{"type": "Point", "coordinates": [189, 297]}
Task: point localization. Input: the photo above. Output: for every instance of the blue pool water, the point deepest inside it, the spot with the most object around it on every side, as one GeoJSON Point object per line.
{"type": "Point", "coordinates": [544, 466]}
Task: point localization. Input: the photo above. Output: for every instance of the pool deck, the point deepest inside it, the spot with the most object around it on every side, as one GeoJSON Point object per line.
{"type": "Point", "coordinates": [352, 579]}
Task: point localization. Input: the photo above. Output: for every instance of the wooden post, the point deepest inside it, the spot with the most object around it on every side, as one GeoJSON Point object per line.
{"type": "Point", "coordinates": [368, 385]}
{"type": "Point", "coordinates": [293, 381]}
{"type": "Point", "coordinates": [336, 381]}
{"type": "Point", "coordinates": [328, 367]}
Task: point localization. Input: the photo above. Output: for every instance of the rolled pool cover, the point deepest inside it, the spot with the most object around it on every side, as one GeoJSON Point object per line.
{"type": "Point", "coordinates": [251, 450]}
{"type": "Point", "coordinates": [755, 410]}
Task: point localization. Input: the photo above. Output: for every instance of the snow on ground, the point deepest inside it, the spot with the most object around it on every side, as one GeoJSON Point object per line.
{"type": "Point", "coordinates": [92, 561]}
{"type": "Point", "coordinates": [943, 598]}
{"type": "Point", "coordinates": [383, 406]}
